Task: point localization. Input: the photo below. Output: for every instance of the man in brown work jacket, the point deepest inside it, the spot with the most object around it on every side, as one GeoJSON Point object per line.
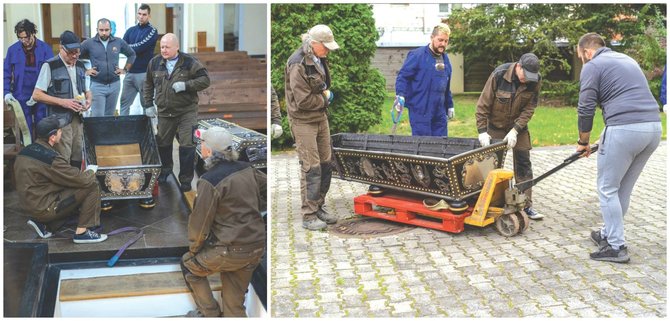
{"type": "Point", "coordinates": [50, 189]}
{"type": "Point", "coordinates": [504, 109]}
{"type": "Point", "coordinates": [176, 78]}
{"type": "Point", "coordinates": [226, 231]}
{"type": "Point", "coordinates": [308, 95]}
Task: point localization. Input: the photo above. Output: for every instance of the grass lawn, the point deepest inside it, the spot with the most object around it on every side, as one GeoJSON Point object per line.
{"type": "Point", "coordinates": [549, 126]}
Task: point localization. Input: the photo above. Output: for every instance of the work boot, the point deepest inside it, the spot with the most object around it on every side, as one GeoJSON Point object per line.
{"type": "Point", "coordinates": [532, 214]}
{"type": "Point", "coordinates": [313, 223]}
{"type": "Point", "coordinates": [186, 167]}
{"type": "Point", "coordinates": [598, 239]}
{"type": "Point", "coordinates": [609, 254]}
{"type": "Point", "coordinates": [165, 153]}
{"type": "Point", "coordinates": [326, 217]}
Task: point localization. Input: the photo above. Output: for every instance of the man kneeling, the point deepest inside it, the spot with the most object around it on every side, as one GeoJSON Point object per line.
{"type": "Point", "coordinates": [226, 232]}
{"type": "Point", "coordinates": [50, 189]}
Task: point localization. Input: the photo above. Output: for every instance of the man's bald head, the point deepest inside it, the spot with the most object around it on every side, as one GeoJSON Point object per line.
{"type": "Point", "coordinates": [169, 46]}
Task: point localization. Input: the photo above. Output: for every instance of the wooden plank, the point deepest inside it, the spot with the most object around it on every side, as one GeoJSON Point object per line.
{"type": "Point", "coordinates": [128, 286]}
{"type": "Point", "coordinates": [118, 155]}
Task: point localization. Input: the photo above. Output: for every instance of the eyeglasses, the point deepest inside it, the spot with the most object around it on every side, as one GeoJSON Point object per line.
{"type": "Point", "coordinates": [73, 52]}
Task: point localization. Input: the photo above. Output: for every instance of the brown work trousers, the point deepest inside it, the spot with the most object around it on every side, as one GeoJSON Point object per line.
{"type": "Point", "coordinates": [86, 199]}
{"type": "Point", "coordinates": [313, 145]}
{"type": "Point", "coordinates": [236, 265]}
{"type": "Point", "coordinates": [523, 170]}
{"type": "Point", "coordinates": [72, 140]}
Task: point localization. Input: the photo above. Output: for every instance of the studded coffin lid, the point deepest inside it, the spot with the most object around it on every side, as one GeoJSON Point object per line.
{"type": "Point", "coordinates": [251, 144]}
{"type": "Point", "coordinates": [448, 168]}
{"type": "Point", "coordinates": [125, 150]}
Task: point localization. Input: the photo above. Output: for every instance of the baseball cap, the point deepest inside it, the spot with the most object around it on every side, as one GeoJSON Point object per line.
{"type": "Point", "coordinates": [531, 67]}
{"type": "Point", "coordinates": [323, 34]}
{"type": "Point", "coordinates": [49, 126]}
{"type": "Point", "coordinates": [218, 139]}
{"type": "Point", "coordinates": [69, 40]}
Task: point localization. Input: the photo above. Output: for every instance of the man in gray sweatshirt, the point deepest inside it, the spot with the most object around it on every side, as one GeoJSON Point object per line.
{"type": "Point", "coordinates": [632, 132]}
{"type": "Point", "coordinates": [103, 51]}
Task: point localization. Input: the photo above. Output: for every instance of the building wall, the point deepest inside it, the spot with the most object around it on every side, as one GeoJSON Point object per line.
{"type": "Point", "coordinates": [13, 14]}
{"type": "Point", "coordinates": [253, 34]}
{"type": "Point", "coordinates": [389, 60]}
{"type": "Point", "coordinates": [202, 17]}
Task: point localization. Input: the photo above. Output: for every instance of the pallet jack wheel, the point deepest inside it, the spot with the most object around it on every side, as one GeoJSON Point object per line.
{"type": "Point", "coordinates": [507, 225]}
{"type": "Point", "coordinates": [524, 221]}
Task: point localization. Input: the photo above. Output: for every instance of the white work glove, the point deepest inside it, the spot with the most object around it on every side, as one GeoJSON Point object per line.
{"type": "Point", "coordinates": [151, 112]}
{"type": "Point", "coordinates": [399, 103]}
{"type": "Point", "coordinates": [485, 139]}
{"type": "Point", "coordinates": [179, 86]}
{"type": "Point", "coordinates": [93, 168]}
{"type": "Point", "coordinates": [329, 95]}
{"type": "Point", "coordinates": [276, 131]}
{"type": "Point", "coordinates": [451, 113]}
{"type": "Point", "coordinates": [511, 138]}
{"type": "Point", "coordinates": [665, 108]}
{"type": "Point", "coordinates": [9, 98]}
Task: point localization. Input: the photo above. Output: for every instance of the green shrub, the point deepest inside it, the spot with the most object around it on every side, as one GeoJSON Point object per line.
{"type": "Point", "coordinates": [359, 89]}
{"type": "Point", "coordinates": [565, 91]}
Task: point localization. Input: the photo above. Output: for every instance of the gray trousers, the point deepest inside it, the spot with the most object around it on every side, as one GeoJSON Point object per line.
{"type": "Point", "coordinates": [132, 85]}
{"type": "Point", "coordinates": [622, 154]}
{"type": "Point", "coordinates": [104, 98]}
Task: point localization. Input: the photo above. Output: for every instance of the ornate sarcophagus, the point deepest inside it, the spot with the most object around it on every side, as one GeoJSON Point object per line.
{"type": "Point", "coordinates": [447, 168]}
{"type": "Point", "coordinates": [125, 150]}
{"type": "Point", "coordinates": [251, 144]}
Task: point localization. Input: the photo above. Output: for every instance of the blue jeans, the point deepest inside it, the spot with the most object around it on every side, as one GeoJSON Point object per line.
{"type": "Point", "coordinates": [104, 98]}
{"type": "Point", "coordinates": [132, 85]}
{"type": "Point", "coordinates": [622, 154]}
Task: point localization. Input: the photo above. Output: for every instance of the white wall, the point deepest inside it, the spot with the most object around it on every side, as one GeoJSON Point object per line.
{"type": "Point", "coordinates": [61, 19]}
{"type": "Point", "coordinates": [16, 12]}
{"type": "Point", "coordinates": [201, 17]}
{"type": "Point", "coordinates": [252, 22]}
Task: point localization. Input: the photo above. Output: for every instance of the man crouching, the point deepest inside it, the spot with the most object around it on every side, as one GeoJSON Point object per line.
{"type": "Point", "coordinates": [226, 232]}
{"type": "Point", "coordinates": [50, 189]}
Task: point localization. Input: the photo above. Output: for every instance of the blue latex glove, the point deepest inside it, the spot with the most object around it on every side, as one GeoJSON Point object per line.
{"type": "Point", "coordinates": [399, 103]}
{"type": "Point", "coordinates": [179, 86]}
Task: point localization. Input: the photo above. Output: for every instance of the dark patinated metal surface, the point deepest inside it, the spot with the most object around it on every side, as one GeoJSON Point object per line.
{"type": "Point", "coordinates": [123, 182]}
{"type": "Point", "coordinates": [251, 144]}
{"type": "Point", "coordinates": [447, 168]}
{"type": "Point", "coordinates": [367, 227]}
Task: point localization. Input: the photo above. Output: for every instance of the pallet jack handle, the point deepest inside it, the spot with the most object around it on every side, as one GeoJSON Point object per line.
{"type": "Point", "coordinates": [523, 186]}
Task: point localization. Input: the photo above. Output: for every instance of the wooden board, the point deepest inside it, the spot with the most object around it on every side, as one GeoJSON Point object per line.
{"type": "Point", "coordinates": [118, 155]}
{"type": "Point", "coordinates": [105, 287]}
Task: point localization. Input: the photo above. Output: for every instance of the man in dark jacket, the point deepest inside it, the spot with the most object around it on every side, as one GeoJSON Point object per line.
{"type": "Point", "coordinates": [103, 51]}
{"type": "Point", "coordinates": [21, 68]}
{"type": "Point", "coordinates": [176, 78]}
{"type": "Point", "coordinates": [308, 95]}
{"type": "Point", "coordinates": [50, 189]}
{"type": "Point", "coordinates": [142, 39]}
{"type": "Point", "coordinates": [504, 109]}
{"type": "Point", "coordinates": [423, 86]}
{"type": "Point", "coordinates": [631, 135]}
{"type": "Point", "coordinates": [226, 232]}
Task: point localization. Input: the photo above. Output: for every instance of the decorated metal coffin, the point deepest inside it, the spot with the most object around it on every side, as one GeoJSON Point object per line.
{"type": "Point", "coordinates": [251, 144]}
{"type": "Point", "coordinates": [447, 168]}
{"type": "Point", "coordinates": [125, 150]}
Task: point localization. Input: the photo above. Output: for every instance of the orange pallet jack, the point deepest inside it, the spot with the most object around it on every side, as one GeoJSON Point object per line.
{"type": "Point", "coordinates": [499, 202]}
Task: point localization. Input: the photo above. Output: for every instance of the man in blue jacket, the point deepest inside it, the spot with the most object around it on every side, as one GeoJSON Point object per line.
{"type": "Point", "coordinates": [21, 68]}
{"type": "Point", "coordinates": [103, 51]}
{"type": "Point", "coordinates": [142, 39]}
{"type": "Point", "coordinates": [423, 84]}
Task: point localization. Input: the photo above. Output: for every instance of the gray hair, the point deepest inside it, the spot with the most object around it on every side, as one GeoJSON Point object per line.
{"type": "Point", "coordinates": [229, 155]}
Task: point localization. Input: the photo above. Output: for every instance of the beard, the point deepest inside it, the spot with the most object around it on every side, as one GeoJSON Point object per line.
{"type": "Point", "coordinates": [104, 38]}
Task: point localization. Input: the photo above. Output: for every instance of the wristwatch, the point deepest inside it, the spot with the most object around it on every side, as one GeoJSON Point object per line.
{"type": "Point", "coordinates": [580, 143]}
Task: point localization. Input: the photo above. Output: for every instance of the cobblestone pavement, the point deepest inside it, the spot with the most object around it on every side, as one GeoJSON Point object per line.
{"type": "Point", "coordinates": [544, 272]}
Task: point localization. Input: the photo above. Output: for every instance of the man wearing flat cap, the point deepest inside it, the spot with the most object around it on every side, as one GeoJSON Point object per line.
{"type": "Point", "coordinates": [50, 190]}
{"type": "Point", "coordinates": [308, 96]}
{"type": "Point", "coordinates": [504, 109]}
{"type": "Point", "coordinates": [64, 87]}
{"type": "Point", "coordinates": [226, 232]}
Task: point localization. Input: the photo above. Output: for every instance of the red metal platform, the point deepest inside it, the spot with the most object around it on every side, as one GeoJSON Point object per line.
{"type": "Point", "coordinates": [410, 211]}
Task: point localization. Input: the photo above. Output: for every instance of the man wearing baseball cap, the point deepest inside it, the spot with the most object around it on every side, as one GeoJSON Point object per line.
{"type": "Point", "coordinates": [64, 87]}
{"type": "Point", "coordinates": [504, 109]}
{"type": "Point", "coordinates": [308, 96]}
{"type": "Point", "coordinates": [226, 232]}
{"type": "Point", "coordinates": [50, 190]}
